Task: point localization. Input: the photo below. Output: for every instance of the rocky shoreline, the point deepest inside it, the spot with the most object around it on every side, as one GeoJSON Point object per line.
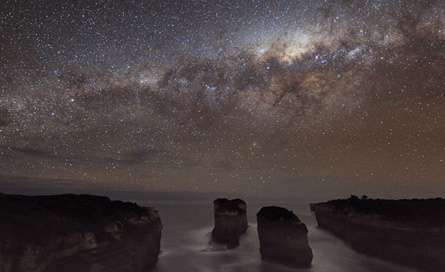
{"type": "Point", "coordinates": [407, 232]}
{"type": "Point", "coordinates": [230, 221]}
{"type": "Point", "coordinates": [73, 233]}
{"type": "Point", "coordinates": [76, 233]}
{"type": "Point", "coordinates": [283, 237]}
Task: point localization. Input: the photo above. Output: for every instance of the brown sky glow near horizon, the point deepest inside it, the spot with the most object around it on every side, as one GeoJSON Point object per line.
{"type": "Point", "coordinates": [282, 98]}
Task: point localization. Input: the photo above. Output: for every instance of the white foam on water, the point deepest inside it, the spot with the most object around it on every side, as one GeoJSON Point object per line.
{"type": "Point", "coordinates": [187, 247]}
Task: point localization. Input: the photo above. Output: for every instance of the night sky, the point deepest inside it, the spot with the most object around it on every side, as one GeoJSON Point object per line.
{"type": "Point", "coordinates": [269, 98]}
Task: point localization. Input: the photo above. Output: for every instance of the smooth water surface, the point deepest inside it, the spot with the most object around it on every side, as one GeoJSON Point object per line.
{"type": "Point", "coordinates": [186, 244]}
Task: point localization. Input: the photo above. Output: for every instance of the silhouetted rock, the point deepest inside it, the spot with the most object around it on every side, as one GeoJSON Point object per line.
{"type": "Point", "coordinates": [407, 232]}
{"type": "Point", "coordinates": [73, 233]}
{"type": "Point", "coordinates": [230, 221]}
{"type": "Point", "coordinates": [283, 237]}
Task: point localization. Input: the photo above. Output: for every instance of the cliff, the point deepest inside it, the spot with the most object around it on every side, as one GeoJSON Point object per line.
{"type": "Point", "coordinates": [407, 232]}
{"type": "Point", "coordinates": [283, 237]}
{"type": "Point", "coordinates": [76, 233]}
{"type": "Point", "coordinates": [230, 221]}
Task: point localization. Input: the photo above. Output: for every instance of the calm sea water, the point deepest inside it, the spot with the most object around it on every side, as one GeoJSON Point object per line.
{"type": "Point", "coordinates": [186, 244]}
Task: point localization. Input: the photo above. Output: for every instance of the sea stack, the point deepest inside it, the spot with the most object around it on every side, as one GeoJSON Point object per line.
{"type": "Point", "coordinates": [230, 221]}
{"type": "Point", "coordinates": [73, 233]}
{"type": "Point", "coordinates": [407, 232]}
{"type": "Point", "coordinates": [283, 237]}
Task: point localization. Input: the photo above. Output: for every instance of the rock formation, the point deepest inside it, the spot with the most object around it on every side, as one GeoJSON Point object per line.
{"type": "Point", "coordinates": [283, 237]}
{"type": "Point", "coordinates": [407, 232]}
{"type": "Point", "coordinates": [74, 233]}
{"type": "Point", "coordinates": [230, 221]}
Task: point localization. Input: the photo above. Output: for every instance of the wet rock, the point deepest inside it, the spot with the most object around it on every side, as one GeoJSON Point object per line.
{"type": "Point", "coordinates": [76, 233]}
{"type": "Point", "coordinates": [283, 237]}
{"type": "Point", "coordinates": [407, 232]}
{"type": "Point", "coordinates": [230, 221]}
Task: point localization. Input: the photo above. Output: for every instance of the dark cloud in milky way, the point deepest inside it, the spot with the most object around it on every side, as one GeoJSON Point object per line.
{"type": "Point", "coordinates": [259, 96]}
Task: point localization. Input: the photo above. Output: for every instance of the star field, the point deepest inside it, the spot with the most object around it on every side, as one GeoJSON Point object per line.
{"type": "Point", "coordinates": [265, 97]}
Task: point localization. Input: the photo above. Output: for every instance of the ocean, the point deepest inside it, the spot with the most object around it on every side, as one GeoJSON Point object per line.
{"type": "Point", "coordinates": [186, 245]}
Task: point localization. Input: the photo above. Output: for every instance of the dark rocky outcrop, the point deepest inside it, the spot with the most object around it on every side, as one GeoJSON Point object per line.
{"type": "Point", "coordinates": [230, 221]}
{"type": "Point", "coordinates": [283, 237]}
{"type": "Point", "coordinates": [74, 233]}
{"type": "Point", "coordinates": [407, 232]}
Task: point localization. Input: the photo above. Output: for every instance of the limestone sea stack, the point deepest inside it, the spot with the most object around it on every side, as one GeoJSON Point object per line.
{"type": "Point", "coordinates": [230, 221]}
{"type": "Point", "coordinates": [407, 232]}
{"type": "Point", "coordinates": [73, 233]}
{"type": "Point", "coordinates": [283, 237]}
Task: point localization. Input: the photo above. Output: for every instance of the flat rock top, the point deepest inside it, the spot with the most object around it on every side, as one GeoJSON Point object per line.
{"type": "Point", "coordinates": [423, 212]}
{"type": "Point", "coordinates": [230, 205]}
{"type": "Point", "coordinates": [277, 214]}
{"type": "Point", "coordinates": [63, 214]}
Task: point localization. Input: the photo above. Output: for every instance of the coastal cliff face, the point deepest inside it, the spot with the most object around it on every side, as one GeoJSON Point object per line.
{"type": "Point", "coordinates": [76, 233]}
{"type": "Point", "coordinates": [407, 232]}
{"type": "Point", "coordinates": [230, 221]}
{"type": "Point", "coordinates": [283, 237]}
